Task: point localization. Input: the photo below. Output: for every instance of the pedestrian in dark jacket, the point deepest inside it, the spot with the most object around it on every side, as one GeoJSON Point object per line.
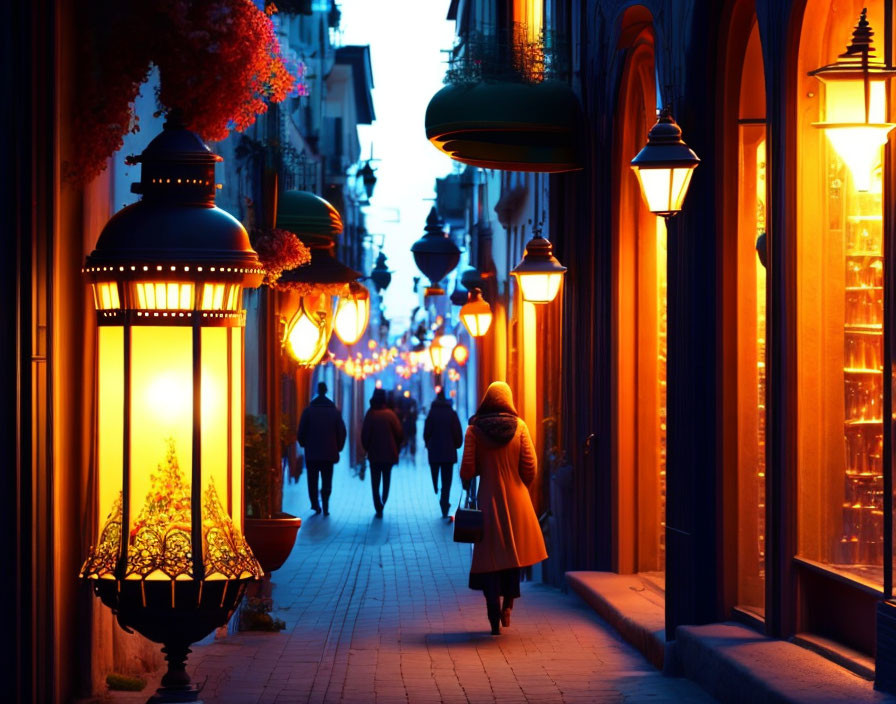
{"type": "Point", "coordinates": [322, 434]}
{"type": "Point", "coordinates": [443, 435]}
{"type": "Point", "coordinates": [381, 437]}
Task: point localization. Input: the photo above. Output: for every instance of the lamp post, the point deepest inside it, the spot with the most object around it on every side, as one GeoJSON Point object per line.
{"type": "Point", "coordinates": [476, 314]}
{"type": "Point", "coordinates": [309, 293]}
{"type": "Point", "coordinates": [435, 254]}
{"type": "Point", "coordinates": [167, 276]}
{"type": "Point", "coordinates": [664, 167]}
{"type": "Point", "coordinates": [539, 273]}
{"type": "Point", "coordinates": [855, 104]}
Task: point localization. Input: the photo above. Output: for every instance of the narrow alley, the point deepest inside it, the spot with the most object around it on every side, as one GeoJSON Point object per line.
{"type": "Point", "coordinates": [378, 610]}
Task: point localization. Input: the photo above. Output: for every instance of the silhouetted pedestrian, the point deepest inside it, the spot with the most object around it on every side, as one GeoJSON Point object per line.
{"type": "Point", "coordinates": [381, 436]}
{"type": "Point", "coordinates": [322, 433]}
{"type": "Point", "coordinates": [498, 448]}
{"type": "Point", "coordinates": [443, 435]}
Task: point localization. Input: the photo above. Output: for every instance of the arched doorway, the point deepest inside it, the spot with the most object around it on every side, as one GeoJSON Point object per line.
{"type": "Point", "coordinates": [639, 324]}
{"type": "Point", "coordinates": [744, 170]}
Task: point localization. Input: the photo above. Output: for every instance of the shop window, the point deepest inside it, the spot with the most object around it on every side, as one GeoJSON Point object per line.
{"type": "Point", "coordinates": [840, 314]}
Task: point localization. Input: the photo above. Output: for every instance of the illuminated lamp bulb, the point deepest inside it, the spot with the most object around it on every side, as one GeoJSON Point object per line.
{"type": "Point", "coordinates": [461, 354]}
{"type": "Point", "coordinates": [307, 337]}
{"type": "Point", "coordinates": [476, 314]}
{"type": "Point", "coordinates": [539, 273]}
{"type": "Point", "coordinates": [855, 105]}
{"type": "Point", "coordinates": [407, 394]}
{"type": "Point", "coordinates": [352, 314]}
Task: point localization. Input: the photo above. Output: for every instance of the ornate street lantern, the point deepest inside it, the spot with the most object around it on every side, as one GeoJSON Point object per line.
{"type": "Point", "coordinates": [380, 275]}
{"type": "Point", "coordinates": [664, 167]}
{"type": "Point", "coordinates": [855, 104]}
{"type": "Point", "coordinates": [435, 254]}
{"type": "Point", "coordinates": [308, 294]}
{"type": "Point", "coordinates": [368, 177]}
{"type": "Point", "coordinates": [440, 351]}
{"type": "Point", "coordinates": [167, 276]}
{"type": "Point", "coordinates": [476, 314]}
{"type": "Point", "coordinates": [539, 273]}
{"type": "Point", "coordinates": [352, 314]}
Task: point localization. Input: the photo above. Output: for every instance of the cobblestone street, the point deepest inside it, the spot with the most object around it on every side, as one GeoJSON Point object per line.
{"type": "Point", "coordinates": [378, 610]}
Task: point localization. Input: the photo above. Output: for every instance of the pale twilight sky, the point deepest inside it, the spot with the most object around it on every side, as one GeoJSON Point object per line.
{"type": "Point", "coordinates": [407, 39]}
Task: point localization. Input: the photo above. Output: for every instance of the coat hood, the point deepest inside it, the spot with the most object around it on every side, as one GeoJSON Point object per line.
{"type": "Point", "coordinates": [378, 400]}
{"type": "Point", "coordinates": [498, 398]}
{"type": "Point", "coordinates": [440, 400]}
{"type": "Point", "coordinates": [498, 427]}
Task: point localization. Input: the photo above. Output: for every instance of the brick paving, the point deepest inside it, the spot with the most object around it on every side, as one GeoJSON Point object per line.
{"type": "Point", "coordinates": [378, 610]}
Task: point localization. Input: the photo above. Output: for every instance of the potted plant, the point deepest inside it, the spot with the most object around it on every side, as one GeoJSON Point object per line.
{"type": "Point", "coordinates": [270, 532]}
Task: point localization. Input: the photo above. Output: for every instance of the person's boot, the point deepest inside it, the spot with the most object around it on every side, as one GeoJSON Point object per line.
{"type": "Point", "coordinates": [506, 608]}
{"type": "Point", "coordinates": [326, 503]}
{"type": "Point", "coordinates": [494, 618]}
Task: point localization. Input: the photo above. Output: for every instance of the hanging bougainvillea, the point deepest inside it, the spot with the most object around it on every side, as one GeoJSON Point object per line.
{"type": "Point", "coordinates": [219, 62]}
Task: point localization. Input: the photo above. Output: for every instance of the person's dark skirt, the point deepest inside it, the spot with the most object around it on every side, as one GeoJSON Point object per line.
{"type": "Point", "coordinates": [504, 583]}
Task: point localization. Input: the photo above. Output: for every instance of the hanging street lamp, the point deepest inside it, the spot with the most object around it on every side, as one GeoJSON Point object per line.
{"type": "Point", "coordinates": [440, 351]}
{"type": "Point", "coordinates": [352, 314]}
{"type": "Point", "coordinates": [539, 273]}
{"type": "Point", "coordinates": [435, 254]}
{"type": "Point", "coordinates": [368, 178]}
{"type": "Point", "coordinates": [855, 104]}
{"type": "Point", "coordinates": [664, 167]}
{"type": "Point", "coordinates": [167, 276]}
{"type": "Point", "coordinates": [476, 314]}
{"type": "Point", "coordinates": [380, 275]}
{"type": "Point", "coordinates": [308, 294]}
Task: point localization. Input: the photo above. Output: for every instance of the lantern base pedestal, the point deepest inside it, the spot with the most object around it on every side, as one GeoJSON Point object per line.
{"type": "Point", "coordinates": [176, 614]}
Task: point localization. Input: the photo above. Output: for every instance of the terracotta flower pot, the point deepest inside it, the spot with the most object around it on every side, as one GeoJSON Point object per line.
{"type": "Point", "coordinates": [272, 539]}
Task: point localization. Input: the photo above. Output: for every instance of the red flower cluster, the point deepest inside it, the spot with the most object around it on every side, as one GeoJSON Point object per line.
{"type": "Point", "coordinates": [279, 250]}
{"type": "Point", "coordinates": [219, 64]}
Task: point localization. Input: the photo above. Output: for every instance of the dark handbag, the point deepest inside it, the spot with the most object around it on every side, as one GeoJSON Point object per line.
{"type": "Point", "coordinates": [468, 522]}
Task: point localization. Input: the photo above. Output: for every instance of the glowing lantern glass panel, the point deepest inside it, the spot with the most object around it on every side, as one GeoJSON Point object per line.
{"type": "Point", "coordinates": [440, 351]}
{"type": "Point", "coordinates": [352, 314]}
{"type": "Point", "coordinates": [855, 105]}
{"type": "Point", "coordinates": [308, 331]}
{"type": "Point", "coordinates": [539, 288]}
{"type": "Point", "coordinates": [664, 167]}
{"type": "Point", "coordinates": [476, 314]}
{"type": "Point", "coordinates": [539, 273]}
{"type": "Point", "coordinates": [664, 188]}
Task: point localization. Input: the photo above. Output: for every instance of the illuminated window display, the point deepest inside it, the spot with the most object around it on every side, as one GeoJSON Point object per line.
{"type": "Point", "coordinates": [841, 260]}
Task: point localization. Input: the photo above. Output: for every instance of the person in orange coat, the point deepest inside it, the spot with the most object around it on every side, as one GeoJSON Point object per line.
{"type": "Point", "coordinates": [499, 450]}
